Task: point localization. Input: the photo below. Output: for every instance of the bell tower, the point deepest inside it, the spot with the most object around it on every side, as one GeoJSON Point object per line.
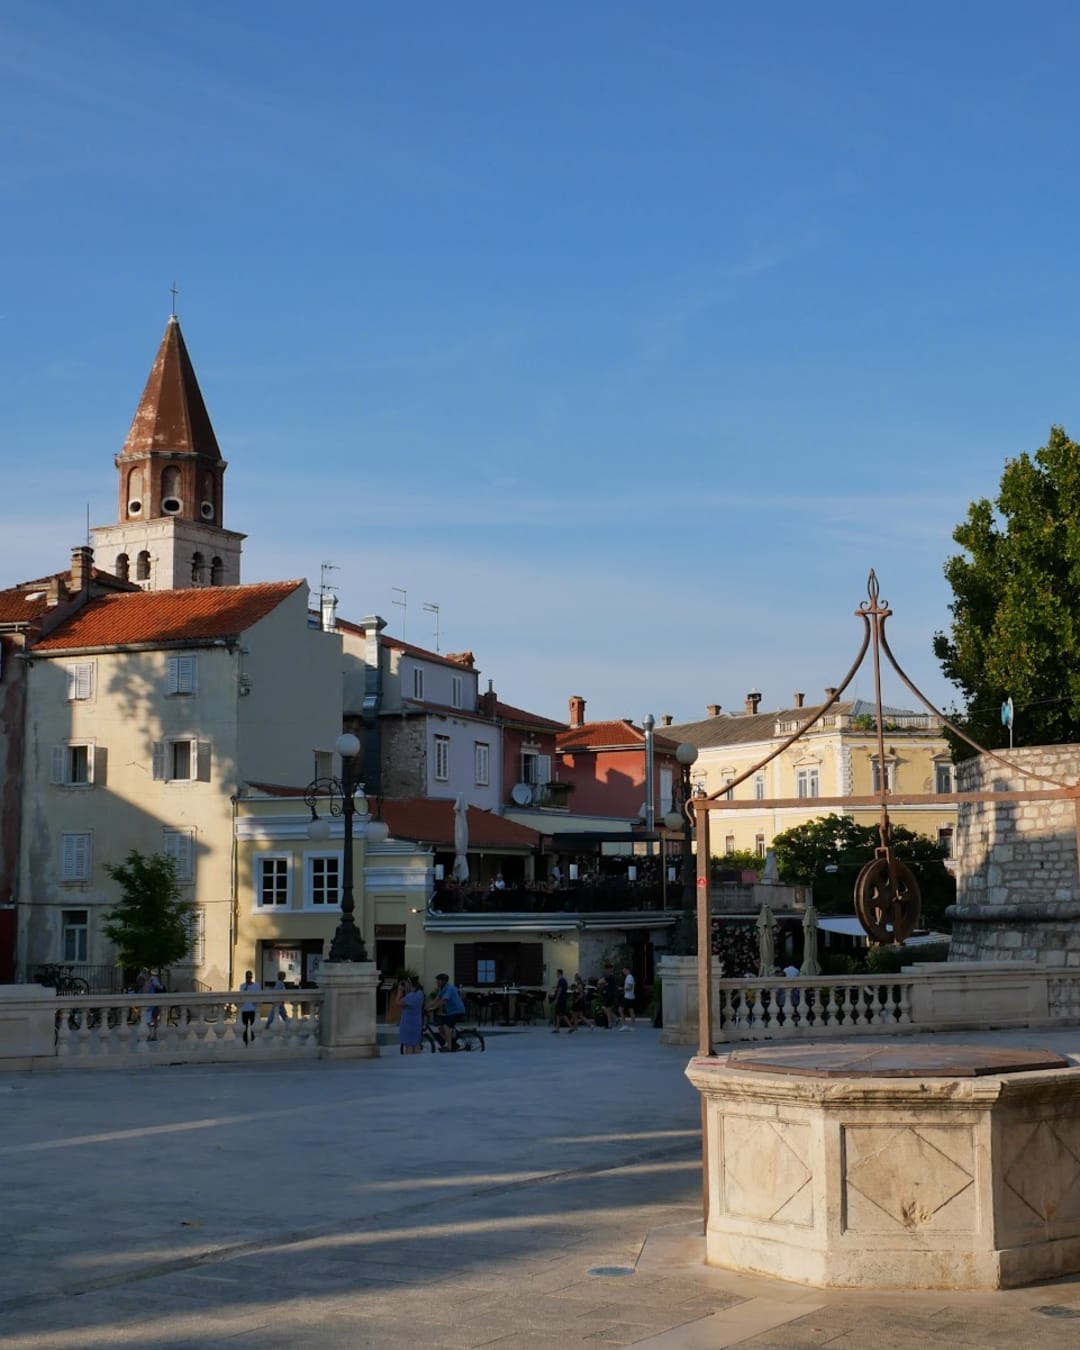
{"type": "Point", "coordinates": [169, 533]}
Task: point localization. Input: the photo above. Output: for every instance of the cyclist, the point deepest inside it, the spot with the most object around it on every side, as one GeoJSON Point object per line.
{"type": "Point", "coordinates": [448, 1009]}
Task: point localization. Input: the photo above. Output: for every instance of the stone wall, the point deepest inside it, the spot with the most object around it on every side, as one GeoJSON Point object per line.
{"type": "Point", "coordinates": [1017, 882]}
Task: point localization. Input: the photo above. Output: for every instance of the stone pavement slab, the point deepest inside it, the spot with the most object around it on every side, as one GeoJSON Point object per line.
{"type": "Point", "coordinates": [454, 1201]}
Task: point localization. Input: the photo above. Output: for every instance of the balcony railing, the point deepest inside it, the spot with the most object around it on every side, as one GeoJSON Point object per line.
{"type": "Point", "coordinates": [584, 898]}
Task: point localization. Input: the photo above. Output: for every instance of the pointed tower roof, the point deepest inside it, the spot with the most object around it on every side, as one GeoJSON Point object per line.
{"type": "Point", "coordinates": [171, 417]}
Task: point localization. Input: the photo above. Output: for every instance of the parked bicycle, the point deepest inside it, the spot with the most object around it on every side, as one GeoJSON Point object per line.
{"type": "Point", "coordinates": [463, 1038]}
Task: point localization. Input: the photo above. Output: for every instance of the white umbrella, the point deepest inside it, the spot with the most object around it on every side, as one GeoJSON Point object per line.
{"type": "Point", "coordinates": [461, 840]}
{"type": "Point", "coordinates": [810, 964]}
{"type": "Point", "coordinates": [766, 925]}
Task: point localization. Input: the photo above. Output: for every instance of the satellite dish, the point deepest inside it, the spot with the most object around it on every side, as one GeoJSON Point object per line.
{"type": "Point", "coordinates": [522, 794]}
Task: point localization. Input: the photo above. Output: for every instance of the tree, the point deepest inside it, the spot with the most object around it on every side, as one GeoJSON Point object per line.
{"type": "Point", "coordinates": [827, 854]}
{"type": "Point", "coordinates": [1016, 607]}
{"type": "Point", "coordinates": [149, 926]}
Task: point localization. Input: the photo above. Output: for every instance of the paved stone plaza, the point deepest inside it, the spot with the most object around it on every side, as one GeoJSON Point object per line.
{"type": "Point", "coordinates": [452, 1201]}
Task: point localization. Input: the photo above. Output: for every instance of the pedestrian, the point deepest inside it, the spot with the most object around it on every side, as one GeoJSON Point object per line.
{"type": "Point", "coordinates": [148, 983]}
{"type": "Point", "coordinates": [577, 1001]}
{"type": "Point", "coordinates": [409, 998]}
{"type": "Point", "coordinates": [562, 1011]}
{"type": "Point", "coordinates": [609, 992]}
{"type": "Point", "coordinates": [278, 1009]}
{"type": "Point", "coordinates": [247, 1010]}
{"type": "Point", "coordinates": [628, 997]}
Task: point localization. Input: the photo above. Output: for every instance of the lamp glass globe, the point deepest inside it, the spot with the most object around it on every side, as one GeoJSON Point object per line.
{"type": "Point", "coordinates": [686, 754]}
{"type": "Point", "coordinates": [318, 829]}
{"type": "Point", "coordinates": [347, 745]}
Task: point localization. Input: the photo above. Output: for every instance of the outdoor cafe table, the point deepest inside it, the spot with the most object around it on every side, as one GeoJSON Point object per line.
{"type": "Point", "coordinates": [508, 993]}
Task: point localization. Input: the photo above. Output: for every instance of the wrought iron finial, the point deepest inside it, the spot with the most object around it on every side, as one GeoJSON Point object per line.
{"type": "Point", "coordinates": [873, 605]}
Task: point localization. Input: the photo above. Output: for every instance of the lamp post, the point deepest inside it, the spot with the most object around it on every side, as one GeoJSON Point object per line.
{"type": "Point", "coordinates": [686, 754]}
{"type": "Point", "coordinates": [341, 798]}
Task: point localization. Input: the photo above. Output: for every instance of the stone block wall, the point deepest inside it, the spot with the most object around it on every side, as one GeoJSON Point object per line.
{"type": "Point", "coordinates": [1017, 880]}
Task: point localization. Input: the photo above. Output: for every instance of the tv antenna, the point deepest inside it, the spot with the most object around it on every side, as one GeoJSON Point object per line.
{"type": "Point", "coordinates": [431, 608]}
{"type": "Point", "coordinates": [327, 598]}
{"type": "Point", "coordinates": [403, 604]}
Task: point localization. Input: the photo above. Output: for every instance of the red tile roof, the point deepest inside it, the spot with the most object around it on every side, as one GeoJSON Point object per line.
{"type": "Point", "coordinates": [24, 605]}
{"type": "Point", "coordinates": [150, 617]}
{"type": "Point", "coordinates": [620, 735]}
{"type": "Point", "coordinates": [508, 713]}
{"type": "Point", "coordinates": [430, 820]}
{"type": "Point", "coordinates": [171, 415]}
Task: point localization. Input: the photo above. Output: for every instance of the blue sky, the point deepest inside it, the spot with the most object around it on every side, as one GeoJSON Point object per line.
{"type": "Point", "coordinates": [632, 335]}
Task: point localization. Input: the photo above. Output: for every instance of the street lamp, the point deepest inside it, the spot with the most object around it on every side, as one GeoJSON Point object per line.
{"type": "Point", "coordinates": [686, 754]}
{"type": "Point", "coordinates": [344, 798]}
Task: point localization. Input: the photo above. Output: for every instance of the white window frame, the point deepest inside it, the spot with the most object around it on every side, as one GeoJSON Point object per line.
{"type": "Point", "coordinates": [183, 676]}
{"type": "Point", "coordinates": [76, 849]}
{"type": "Point", "coordinates": [456, 687]}
{"type": "Point", "coordinates": [441, 754]}
{"type": "Point", "coordinates": [314, 862]}
{"type": "Point", "coordinates": [943, 767]}
{"type": "Point", "coordinates": [180, 846]}
{"type": "Point", "coordinates": [729, 844]}
{"type": "Point", "coordinates": [808, 781]}
{"type": "Point", "coordinates": [62, 763]}
{"type": "Point", "coordinates": [667, 791]}
{"type": "Point", "coordinates": [80, 682]}
{"type": "Point", "coordinates": [875, 774]}
{"type": "Point", "coordinates": [759, 845]}
{"type": "Point", "coordinates": [70, 926]}
{"type": "Point", "coordinates": [418, 682]}
{"type": "Point", "coordinates": [276, 906]}
{"type": "Point", "coordinates": [164, 760]}
{"type": "Point", "coordinates": [482, 763]}
{"type": "Point", "coordinates": [759, 787]}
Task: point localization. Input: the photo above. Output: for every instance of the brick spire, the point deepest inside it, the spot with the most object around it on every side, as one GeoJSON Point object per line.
{"type": "Point", "coordinates": [171, 417]}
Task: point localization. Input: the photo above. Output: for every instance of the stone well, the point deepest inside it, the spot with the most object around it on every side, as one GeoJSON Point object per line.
{"type": "Point", "coordinates": [893, 1167]}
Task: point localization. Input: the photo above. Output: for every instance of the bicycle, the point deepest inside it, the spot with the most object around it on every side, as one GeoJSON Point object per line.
{"type": "Point", "coordinates": [467, 1039]}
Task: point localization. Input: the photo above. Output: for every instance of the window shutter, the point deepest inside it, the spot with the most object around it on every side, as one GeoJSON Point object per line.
{"type": "Point", "coordinates": [90, 763]}
{"type": "Point", "coordinates": [80, 680]}
{"type": "Point", "coordinates": [99, 765]}
{"type": "Point", "coordinates": [204, 761]}
{"type": "Point", "coordinates": [182, 674]}
{"type": "Point", "coordinates": [158, 770]}
{"type": "Point", "coordinates": [57, 763]}
{"type": "Point", "coordinates": [464, 963]}
{"type": "Point", "coordinates": [543, 768]}
{"type": "Point", "coordinates": [75, 859]}
{"type": "Point", "coordinates": [531, 962]}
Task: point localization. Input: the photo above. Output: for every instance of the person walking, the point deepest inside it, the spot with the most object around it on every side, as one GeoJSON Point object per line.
{"type": "Point", "coordinates": [609, 992]}
{"type": "Point", "coordinates": [562, 1010]}
{"type": "Point", "coordinates": [409, 998]}
{"type": "Point", "coordinates": [247, 1010]}
{"type": "Point", "coordinates": [278, 1009]}
{"type": "Point", "coordinates": [628, 998]}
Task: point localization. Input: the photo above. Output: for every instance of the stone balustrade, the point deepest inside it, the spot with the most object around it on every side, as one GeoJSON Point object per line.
{"type": "Point", "coordinates": [946, 996]}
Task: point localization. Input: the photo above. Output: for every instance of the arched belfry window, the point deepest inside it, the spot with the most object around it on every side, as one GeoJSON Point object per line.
{"type": "Point", "coordinates": [142, 566]}
{"type": "Point", "coordinates": [217, 572]}
{"type": "Point", "coordinates": [197, 569]}
{"type": "Point", "coordinates": [134, 492]}
{"type": "Point", "coordinates": [123, 566]}
{"type": "Point", "coordinates": [170, 490]}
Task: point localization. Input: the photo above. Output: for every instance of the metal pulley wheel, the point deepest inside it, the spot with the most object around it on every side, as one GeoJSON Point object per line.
{"type": "Point", "coordinates": [887, 900]}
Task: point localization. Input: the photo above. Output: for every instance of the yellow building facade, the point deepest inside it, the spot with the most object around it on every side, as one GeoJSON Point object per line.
{"type": "Point", "coordinates": [837, 757]}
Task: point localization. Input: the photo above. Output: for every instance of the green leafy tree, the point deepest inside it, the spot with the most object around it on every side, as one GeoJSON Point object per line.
{"type": "Point", "coordinates": [149, 927]}
{"type": "Point", "coordinates": [827, 854]}
{"type": "Point", "coordinates": [1016, 608]}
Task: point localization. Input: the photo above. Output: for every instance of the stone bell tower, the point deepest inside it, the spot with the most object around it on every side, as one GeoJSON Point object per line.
{"type": "Point", "coordinates": [170, 533]}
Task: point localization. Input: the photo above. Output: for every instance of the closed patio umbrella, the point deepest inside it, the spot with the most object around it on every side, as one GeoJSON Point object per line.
{"type": "Point", "coordinates": [810, 964]}
{"type": "Point", "coordinates": [766, 925]}
{"type": "Point", "coordinates": [460, 872]}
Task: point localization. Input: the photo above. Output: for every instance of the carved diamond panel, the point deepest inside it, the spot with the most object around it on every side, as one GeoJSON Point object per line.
{"type": "Point", "coordinates": [765, 1177]}
{"type": "Point", "coordinates": [909, 1179]}
{"type": "Point", "coordinates": [1042, 1175]}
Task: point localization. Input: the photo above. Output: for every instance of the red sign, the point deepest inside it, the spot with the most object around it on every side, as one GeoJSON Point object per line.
{"type": "Point", "coordinates": [701, 881]}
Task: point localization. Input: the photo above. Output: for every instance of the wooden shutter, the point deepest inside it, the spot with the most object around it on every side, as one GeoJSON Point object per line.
{"type": "Point", "coordinates": [543, 768]}
{"type": "Point", "coordinates": [182, 674]}
{"type": "Point", "coordinates": [80, 680]}
{"type": "Point", "coordinates": [464, 963]}
{"type": "Point", "coordinates": [204, 765]}
{"type": "Point", "coordinates": [158, 770]}
{"type": "Point", "coordinates": [530, 962]}
{"type": "Point", "coordinates": [57, 763]}
{"type": "Point", "coordinates": [75, 859]}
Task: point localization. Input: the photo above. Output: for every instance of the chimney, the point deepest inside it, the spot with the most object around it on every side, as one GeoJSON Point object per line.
{"type": "Point", "coordinates": [800, 699]}
{"type": "Point", "coordinates": [830, 692]}
{"type": "Point", "coordinates": [713, 709]}
{"type": "Point", "coordinates": [753, 698]}
{"type": "Point", "coordinates": [328, 611]}
{"type": "Point", "coordinates": [82, 566]}
{"type": "Point", "coordinates": [577, 710]}
{"type": "Point", "coordinates": [488, 701]}
{"type": "Point", "coordinates": [666, 719]}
